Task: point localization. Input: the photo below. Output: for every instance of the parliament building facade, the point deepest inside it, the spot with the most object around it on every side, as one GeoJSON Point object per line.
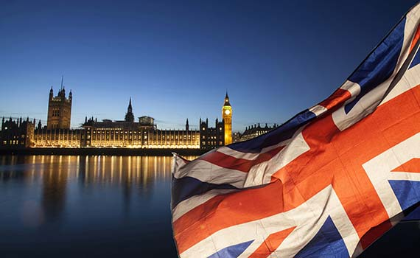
{"type": "Point", "coordinates": [126, 133]}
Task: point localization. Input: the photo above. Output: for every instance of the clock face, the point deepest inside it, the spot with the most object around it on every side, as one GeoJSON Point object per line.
{"type": "Point", "coordinates": [227, 111]}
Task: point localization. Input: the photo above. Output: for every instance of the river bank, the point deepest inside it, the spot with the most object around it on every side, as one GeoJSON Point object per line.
{"type": "Point", "coordinates": [101, 151]}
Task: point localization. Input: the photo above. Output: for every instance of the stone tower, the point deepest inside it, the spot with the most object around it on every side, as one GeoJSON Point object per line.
{"type": "Point", "coordinates": [59, 109]}
{"type": "Point", "coordinates": [227, 119]}
{"type": "Point", "coordinates": [129, 116]}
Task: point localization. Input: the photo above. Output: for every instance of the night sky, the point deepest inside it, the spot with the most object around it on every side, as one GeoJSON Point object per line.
{"type": "Point", "coordinates": [176, 59]}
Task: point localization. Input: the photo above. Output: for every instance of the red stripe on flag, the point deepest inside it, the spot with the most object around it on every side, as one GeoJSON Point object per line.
{"type": "Point", "coordinates": [272, 242]}
{"type": "Point", "coordinates": [413, 166]}
{"type": "Point", "coordinates": [415, 39]}
{"type": "Point", "coordinates": [244, 165]}
{"type": "Point", "coordinates": [336, 99]}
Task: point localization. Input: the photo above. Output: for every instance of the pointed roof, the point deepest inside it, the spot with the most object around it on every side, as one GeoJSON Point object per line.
{"type": "Point", "coordinates": [129, 116]}
{"type": "Point", "coordinates": [226, 100]}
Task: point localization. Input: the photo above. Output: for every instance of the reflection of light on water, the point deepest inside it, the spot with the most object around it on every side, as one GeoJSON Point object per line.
{"type": "Point", "coordinates": [120, 168]}
{"type": "Point", "coordinates": [87, 167]}
{"type": "Point", "coordinates": [138, 167]}
{"type": "Point", "coordinates": [77, 166]}
{"type": "Point", "coordinates": [56, 181]}
{"type": "Point", "coordinates": [95, 166]}
{"type": "Point", "coordinates": [155, 166]}
{"type": "Point", "coordinates": [103, 168]}
{"type": "Point", "coordinates": [110, 170]}
{"type": "Point", "coordinates": [60, 168]}
{"type": "Point", "coordinates": [146, 170]}
{"type": "Point", "coordinates": [33, 170]}
{"type": "Point", "coordinates": [129, 169]}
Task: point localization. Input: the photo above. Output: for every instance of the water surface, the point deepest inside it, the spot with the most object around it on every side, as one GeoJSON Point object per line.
{"type": "Point", "coordinates": [71, 206]}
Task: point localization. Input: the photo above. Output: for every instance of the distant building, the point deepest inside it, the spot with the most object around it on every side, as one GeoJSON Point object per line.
{"type": "Point", "coordinates": [16, 133]}
{"type": "Point", "coordinates": [236, 137]}
{"type": "Point", "coordinates": [253, 131]}
{"type": "Point", "coordinates": [142, 134]}
{"type": "Point", "coordinates": [111, 134]}
{"type": "Point", "coordinates": [211, 137]}
{"type": "Point", "coordinates": [58, 138]}
{"type": "Point", "coordinates": [59, 109]}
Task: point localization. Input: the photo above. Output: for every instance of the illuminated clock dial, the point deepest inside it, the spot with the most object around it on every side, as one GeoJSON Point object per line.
{"type": "Point", "coordinates": [227, 111]}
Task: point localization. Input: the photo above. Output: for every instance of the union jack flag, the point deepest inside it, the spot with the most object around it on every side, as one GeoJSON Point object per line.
{"type": "Point", "coordinates": [328, 182]}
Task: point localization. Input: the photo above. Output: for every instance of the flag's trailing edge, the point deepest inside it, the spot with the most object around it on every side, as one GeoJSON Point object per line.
{"type": "Point", "coordinates": [330, 181]}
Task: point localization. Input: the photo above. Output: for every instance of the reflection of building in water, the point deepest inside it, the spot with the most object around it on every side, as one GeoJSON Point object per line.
{"type": "Point", "coordinates": [131, 174]}
{"type": "Point", "coordinates": [60, 180]}
{"type": "Point", "coordinates": [11, 167]}
{"type": "Point", "coordinates": [54, 188]}
{"type": "Point", "coordinates": [140, 171]}
{"type": "Point", "coordinates": [128, 133]}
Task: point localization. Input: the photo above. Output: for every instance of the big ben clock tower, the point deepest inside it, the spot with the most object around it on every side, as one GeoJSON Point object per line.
{"type": "Point", "coordinates": [227, 118]}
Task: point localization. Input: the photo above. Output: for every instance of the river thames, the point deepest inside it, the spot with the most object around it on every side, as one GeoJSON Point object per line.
{"type": "Point", "coordinates": [85, 206]}
{"type": "Point", "coordinates": [105, 206]}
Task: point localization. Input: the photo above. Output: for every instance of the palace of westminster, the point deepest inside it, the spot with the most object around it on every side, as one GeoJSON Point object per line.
{"type": "Point", "coordinates": [127, 133]}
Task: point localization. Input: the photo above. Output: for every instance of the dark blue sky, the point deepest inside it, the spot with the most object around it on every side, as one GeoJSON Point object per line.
{"type": "Point", "coordinates": [176, 59]}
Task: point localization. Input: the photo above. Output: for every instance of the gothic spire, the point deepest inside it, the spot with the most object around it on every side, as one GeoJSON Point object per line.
{"type": "Point", "coordinates": [227, 99]}
{"type": "Point", "coordinates": [129, 116]}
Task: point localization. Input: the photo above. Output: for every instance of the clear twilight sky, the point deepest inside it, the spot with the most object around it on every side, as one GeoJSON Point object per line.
{"type": "Point", "coordinates": [176, 59]}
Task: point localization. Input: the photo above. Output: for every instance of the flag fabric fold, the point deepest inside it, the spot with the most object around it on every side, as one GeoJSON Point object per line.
{"type": "Point", "coordinates": [330, 181]}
